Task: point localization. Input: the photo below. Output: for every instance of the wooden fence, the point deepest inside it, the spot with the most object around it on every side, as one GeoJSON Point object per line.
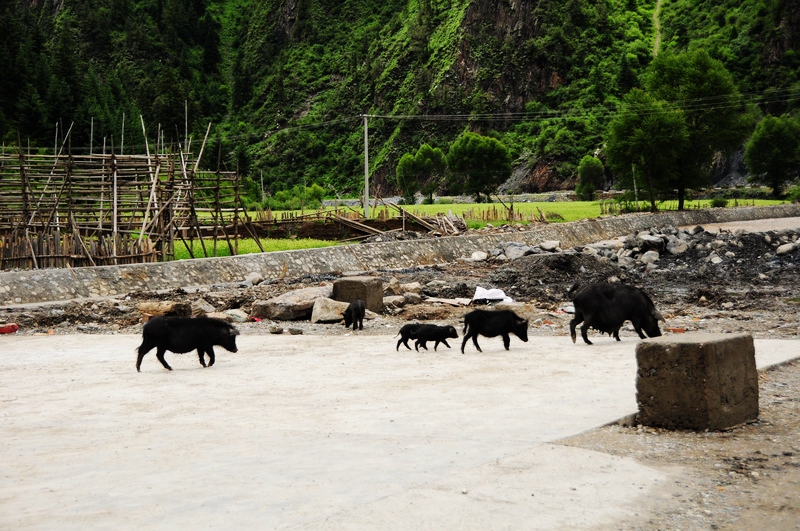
{"type": "Point", "coordinates": [76, 210]}
{"type": "Point", "coordinates": [55, 249]}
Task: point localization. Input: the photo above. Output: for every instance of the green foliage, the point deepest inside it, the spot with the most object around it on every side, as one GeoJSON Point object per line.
{"type": "Point", "coordinates": [591, 176]}
{"type": "Point", "coordinates": [773, 152]}
{"type": "Point", "coordinates": [646, 140]}
{"type": "Point", "coordinates": [716, 117]}
{"type": "Point", "coordinates": [479, 164]}
{"type": "Point", "coordinates": [249, 246]}
{"type": "Point", "coordinates": [793, 194]}
{"type": "Point", "coordinates": [719, 202]}
{"type": "Point", "coordinates": [422, 172]}
{"type": "Point", "coordinates": [297, 198]}
{"type": "Point", "coordinates": [407, 178]}
{"type": "Point", "coordinates": [284, 84]}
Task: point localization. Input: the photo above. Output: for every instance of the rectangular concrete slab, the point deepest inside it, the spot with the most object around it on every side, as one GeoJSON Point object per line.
{"type": "Point", "coordinates": [330, 432]}
{"type": "Point", "coordinates": [697, 381]}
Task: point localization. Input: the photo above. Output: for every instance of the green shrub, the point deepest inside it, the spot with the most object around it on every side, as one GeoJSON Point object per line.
{"type": "Point", "coordinates": [793, 194]}
{"type": "Point", "coordinates": [719, 202]}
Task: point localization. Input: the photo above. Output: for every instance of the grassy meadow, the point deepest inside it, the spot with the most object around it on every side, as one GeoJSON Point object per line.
{"type": "Point", "coordinates": [475, 215]}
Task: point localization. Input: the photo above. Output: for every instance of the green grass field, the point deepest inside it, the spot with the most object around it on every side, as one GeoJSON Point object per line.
{"type": "Point", "coordinates": [250, 247]}
{"type": "Point", "coordinates": [475, 215]}
{"type": "Point", "coordinates": [556, 211]}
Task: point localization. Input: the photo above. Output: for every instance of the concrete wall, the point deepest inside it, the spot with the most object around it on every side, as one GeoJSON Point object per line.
{"type": "Point", "coordinates": [33, 286]}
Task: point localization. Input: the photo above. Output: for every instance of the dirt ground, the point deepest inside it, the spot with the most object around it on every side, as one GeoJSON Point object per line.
{"type": "Point", "coordinates": [743, 478]}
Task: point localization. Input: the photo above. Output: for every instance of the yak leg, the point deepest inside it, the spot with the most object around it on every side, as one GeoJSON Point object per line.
{"type": "Point", "coordinates": [474, 337]}
{"type": "Point", "coordinates": [201, 356]}
{"type": "Point", "coordinates": [506, 341]}
{"type": "Point", "coordinates": [211, 357]}
{"type": "Point", "coordinates": [160, 356]}
{"type": "Point", "coordinates": [584, 329]}
{"type": "Point", "coordinates": [475, 340]}
{"type": "Point", "coordinates": [143, 349]}
{"type": "Point", "coordinates": [578, 319]}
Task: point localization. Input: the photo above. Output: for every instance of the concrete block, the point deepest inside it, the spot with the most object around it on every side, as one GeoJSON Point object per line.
{"type": "Point", "coordinates": [368, 289]}
{"type": "Point", "coordinates": [697, 381]}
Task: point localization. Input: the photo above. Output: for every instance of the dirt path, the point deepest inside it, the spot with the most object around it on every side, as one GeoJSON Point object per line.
{"type": "Point", "coordinates": [657, 26]}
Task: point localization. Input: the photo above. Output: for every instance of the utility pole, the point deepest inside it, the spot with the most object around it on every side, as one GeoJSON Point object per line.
{"type": "Point", "coordinates": [366, 167]}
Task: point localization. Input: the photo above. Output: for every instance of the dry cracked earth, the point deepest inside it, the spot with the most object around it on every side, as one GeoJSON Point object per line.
{"type": "Point", "coordinates": [743, 478]}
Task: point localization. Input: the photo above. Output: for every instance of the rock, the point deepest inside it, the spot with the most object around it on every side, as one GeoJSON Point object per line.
{"type": "Point", "coordinates": [201, 307]}
{"type": "Point", "coordinates": [237, 315]}
{"type": "Point", "coordinates": [677, 247]}
{"type": "Point", "coordinates": [153, 308]}
{"type": "Point", "coordinates": [649, 257]}
{"type": "Point", "coordinates": [393, 288]}
{"type": "Point", "coordinates": [786, 248]}
{"type": "Point", "coordinates": [394, 301]}
{"type": "Point", "coordinates": [513, 250]}
{"type": "Point", "coordinates": [412, 298]}
{"type": "Point", "coordinates": [254, 278]}
{"type": "Point", "coordinates": [550, 246]}
{"type": "Point", "coordinates": [715, 259]}
{"type": "Point", "coordinates": [647, 242]}
{"type": "Point", "coordinates": [222, 316]}
{"type": "Point", "coordinates": [367, 288]}
{"type": "Point", "coordinates": [479, 256]}
{"type": "Point", "coordinates": [297, 304]}
{"type": "Point", "coordinates": [411, 287]}
{"type": "Point", "coordinates": [327, 310]}
{"type": "Point", "coordinates": [275, 329]}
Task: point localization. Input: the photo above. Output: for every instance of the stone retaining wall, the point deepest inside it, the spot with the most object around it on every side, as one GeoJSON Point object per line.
{"type": "Point", "coordinates": [36, 286]}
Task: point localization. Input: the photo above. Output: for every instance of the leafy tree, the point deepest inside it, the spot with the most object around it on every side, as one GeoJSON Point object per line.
{"type": "Point", "coordinates": [479, 164]}
{"type": "Point", "coordinates": [421, 172]}
{"type": "Point", "coordinates": [715, 115]}
{"type": "Point", "coordinates": [646, 141]}
{"type": "Point", "coordinates": [406, 175]}
{"type": "Point", "coordinates": [590, 177]}
{"type": "Point", "coordinates": [431, 165]}
{"type": "Point", "coordinates": [773, 152]}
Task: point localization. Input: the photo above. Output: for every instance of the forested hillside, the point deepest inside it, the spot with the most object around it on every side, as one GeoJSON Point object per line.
{"type": "Point", "coordinates": [285, 83]}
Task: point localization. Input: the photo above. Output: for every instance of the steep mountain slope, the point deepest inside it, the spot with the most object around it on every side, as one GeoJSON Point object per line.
{"type": "Point", "coordinates": [285, 82]}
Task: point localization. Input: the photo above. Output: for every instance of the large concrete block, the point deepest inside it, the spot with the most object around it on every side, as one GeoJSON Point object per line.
{"type": "Point", "coordinates": [368, 289]}
{"type": "Point", "coordinates": [697, 381]}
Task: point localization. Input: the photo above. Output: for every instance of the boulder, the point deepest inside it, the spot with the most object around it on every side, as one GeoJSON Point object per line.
{"type": "Point", "coordinates": [327, 310]}
{"type": "Point", "coordinates": [550, 246]}
{"type": "Point", "coordinates": [649, 257]}
{"type": "Point", "coordinates": [393, 287]}
{"type": "Point", "coordinates": [648, 242]}
{"type": "Point", "coordinates": [412, 298]}
{"type": "Point", "coordinates": [292, 305]}
{"type": "Point", "coordinates": [368, 289]}
{"type": "Point", "coordinates": [394, 301]}
{"type": "Point", "coordinates": [786, 248]}
{"type": "Point", "coordinates": [201, 307]}
{"type": "Point", "coordinates": [222, 316]}
{"type": "Point", "coordinates": [237, 316]}
{"type": "Point", "coordinates": [677, 247]}
{"type": "Point", "coordinates": [254, 278]}
{"type": "Point", "coordinates": [154, 308]}
{"type": "Point", "coordinates": [479, 256]}
{"type": "Point", "coordinates": [411, 287]}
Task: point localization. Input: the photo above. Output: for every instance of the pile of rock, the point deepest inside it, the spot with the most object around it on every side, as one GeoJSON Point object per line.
{"type": "Point", "coordinates": [649, 247]}
{"type": "Point", "coordinates": [512, 250]}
